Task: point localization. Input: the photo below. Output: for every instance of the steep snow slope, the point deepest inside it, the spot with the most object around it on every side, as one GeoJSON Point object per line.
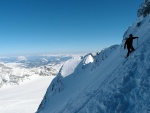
{"type": "Point", "coordinates": [109, 83]}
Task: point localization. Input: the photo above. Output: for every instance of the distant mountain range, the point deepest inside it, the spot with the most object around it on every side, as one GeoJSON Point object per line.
{"type": "Point", "coordinates": [14, 70]}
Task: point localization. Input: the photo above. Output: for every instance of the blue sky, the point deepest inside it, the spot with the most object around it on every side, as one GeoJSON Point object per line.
{"type": "Point", "coordinates": [63, 26]}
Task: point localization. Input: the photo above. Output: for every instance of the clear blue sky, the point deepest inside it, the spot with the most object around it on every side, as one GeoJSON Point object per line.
{"type": "Point", "coordinates": [63, 26]}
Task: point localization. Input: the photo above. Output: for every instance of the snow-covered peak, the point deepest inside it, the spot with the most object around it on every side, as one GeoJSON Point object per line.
{"type": "Point", "coordinates": [88, 59]}
{"type": "Point", "coordinates": [22, 58]}
{"type": "Point", "coordinates": [69, 66]}
{"type": "Point", "coordinates": [44, 60]}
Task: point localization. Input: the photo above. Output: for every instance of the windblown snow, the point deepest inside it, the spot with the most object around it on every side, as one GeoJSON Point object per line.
{"type": "Point", "coordinates": [106, 82]}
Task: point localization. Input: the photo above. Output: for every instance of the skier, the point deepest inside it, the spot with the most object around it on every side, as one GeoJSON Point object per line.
{"type": "Point", "coordinates": [129, 44]}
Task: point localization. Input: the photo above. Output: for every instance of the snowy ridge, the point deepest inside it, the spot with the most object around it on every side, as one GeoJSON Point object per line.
{"type": "Point", "coordinates": [88, 59]}
{"type": "Point", "coordinates": [110, 83]}
{"type": "Point", "coordinates": [69, 66]}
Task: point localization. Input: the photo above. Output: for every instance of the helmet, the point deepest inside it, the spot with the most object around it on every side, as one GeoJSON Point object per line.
{"type": "Point", "coordinates": [130, 35]}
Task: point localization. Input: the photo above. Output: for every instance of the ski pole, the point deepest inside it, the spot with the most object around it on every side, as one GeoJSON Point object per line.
{"type": "Point", "coordinates": [137, 42]}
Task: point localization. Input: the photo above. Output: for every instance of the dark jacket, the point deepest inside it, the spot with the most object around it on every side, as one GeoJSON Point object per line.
{"type": "Point", "coordinates": [129, 42]}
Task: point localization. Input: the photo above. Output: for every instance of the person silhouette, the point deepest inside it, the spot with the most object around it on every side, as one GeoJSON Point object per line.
{"type": "Point", "coordinates": [129, 45]}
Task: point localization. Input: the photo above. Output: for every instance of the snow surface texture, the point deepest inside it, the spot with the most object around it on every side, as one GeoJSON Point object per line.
{"type": "Point", "coordinates": [144, 8]}
{"type": "Point", "coordinates": [24, 98]}
{"type": "Point", "coordinates": [109, 83]}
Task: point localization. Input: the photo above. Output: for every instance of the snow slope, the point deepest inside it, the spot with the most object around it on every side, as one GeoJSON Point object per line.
{"type": "Point", "coordinates": [108, 83]}
{"type": "Point", "coordinates": [24, 98]}
{"type": "Point", "coordinates": [24, 80]}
